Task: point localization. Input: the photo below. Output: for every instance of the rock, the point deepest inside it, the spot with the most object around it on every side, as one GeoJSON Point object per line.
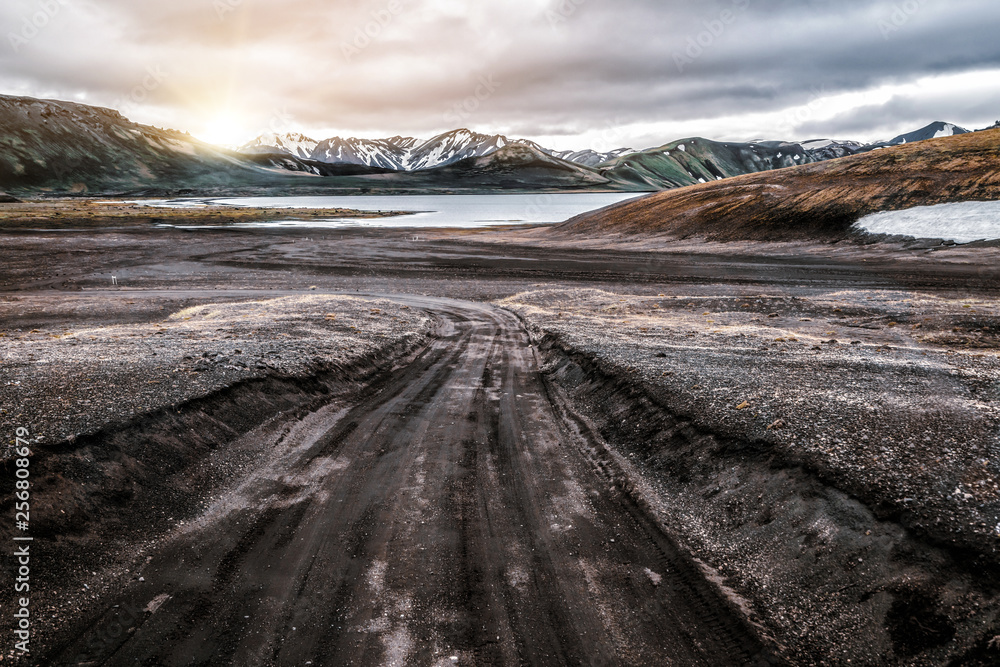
{"type": "Point", "coordinates": [778, 424]}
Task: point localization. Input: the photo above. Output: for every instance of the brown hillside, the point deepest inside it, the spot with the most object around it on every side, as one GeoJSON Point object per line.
{"type": "Point", "coordinates": [816, 201]}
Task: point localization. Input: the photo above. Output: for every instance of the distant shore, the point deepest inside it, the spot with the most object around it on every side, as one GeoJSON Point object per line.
{"type": "Point", "coordinates": [90, 213]}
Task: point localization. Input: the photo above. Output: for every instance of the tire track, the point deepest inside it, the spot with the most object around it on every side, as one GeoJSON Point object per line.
{"type": "Point", "coordinates": [454, 513]}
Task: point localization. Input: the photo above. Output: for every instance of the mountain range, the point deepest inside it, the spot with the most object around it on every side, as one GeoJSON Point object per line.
{"type": "Point", "coordinates": [411, 154]}
{"type": "Point", "coordinates": [55, 147]}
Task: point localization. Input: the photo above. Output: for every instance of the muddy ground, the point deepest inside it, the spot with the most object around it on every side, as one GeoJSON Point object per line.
{"type": "Point", "coordinates": [500, 452]}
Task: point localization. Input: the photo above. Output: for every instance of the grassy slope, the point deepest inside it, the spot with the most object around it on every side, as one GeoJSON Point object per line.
{"type": "Point", "coordinates": [700, 161]}
{"type": "Point", "coordinates": [816, 201]}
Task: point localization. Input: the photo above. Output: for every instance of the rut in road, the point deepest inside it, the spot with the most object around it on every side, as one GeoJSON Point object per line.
{"type": "Point", "coordinates": [453, 511]}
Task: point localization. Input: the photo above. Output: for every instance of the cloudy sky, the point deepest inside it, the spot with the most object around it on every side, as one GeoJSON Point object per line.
{"type": "Point", "coordinates": [567, 73]}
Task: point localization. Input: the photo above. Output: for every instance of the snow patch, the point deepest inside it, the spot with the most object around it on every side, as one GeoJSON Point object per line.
{"type": "Point", "coordinates": [947, 131]}
{"type": "Point", "coordinates": [963, 222]}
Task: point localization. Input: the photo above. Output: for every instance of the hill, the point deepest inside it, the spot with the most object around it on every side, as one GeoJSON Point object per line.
{"type": "Point", "coordinates": [62, 146]}
{"type": "Point", "coordinates": [697, 160]}
{"type": "Point", "coordinates": [815, 201]}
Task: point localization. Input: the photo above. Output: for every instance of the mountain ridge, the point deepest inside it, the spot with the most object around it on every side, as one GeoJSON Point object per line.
{"type": "Point", "coordinates": [412, 154]}
{"type": "Point", "coordinates": [50, 147]}
{"type": "Point", "coordinates": [409, 153]}
{"type": "Point", "coordinates": [697, 160]}
{"type": "Point", "coordinates": [814, 201]}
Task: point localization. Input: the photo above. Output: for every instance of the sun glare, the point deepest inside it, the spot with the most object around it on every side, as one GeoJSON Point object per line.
{"type": "Point", "coordinates": [223, 131]}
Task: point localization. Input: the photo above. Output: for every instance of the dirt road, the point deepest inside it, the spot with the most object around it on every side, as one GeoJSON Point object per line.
{"type": "Point", "coordinates": [459, 508]}
{"type": "Point", "coordinates": [455, 513]}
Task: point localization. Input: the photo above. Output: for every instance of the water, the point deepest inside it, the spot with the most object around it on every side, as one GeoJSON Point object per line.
{"type": "Point", "coordinates": [458, 211]}
{"type": "Point", "coordinates": [964, 222]}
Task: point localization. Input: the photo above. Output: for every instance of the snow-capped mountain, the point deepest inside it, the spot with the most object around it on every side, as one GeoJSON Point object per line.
{"type": "Point", "coordinates": [291, 143]}
{"type": "Point", "coordinates": [680, 163]}
{"type": "Point", "coordinates": [933, 131]}
{"type": "Point", "coordinates": [410, 154]}
{"type": "Point", "coordinates": [829, 149]}
{"type": "Point", "coordinates": [517, 165]}
{"type": "Point", "coordinates": [398, 153]}
{"type": "Point", "coordinates": [590, 158]}
{"type": "Point", "coordinates": [385, 153]}
{"type": "Point", "coordinates": [461, 144]}
{"type": "Point", "coordinates": [453, 146]}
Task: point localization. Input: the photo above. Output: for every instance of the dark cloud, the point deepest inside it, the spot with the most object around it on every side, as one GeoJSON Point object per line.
{"type": "Point", "coordinates": [571, 69]}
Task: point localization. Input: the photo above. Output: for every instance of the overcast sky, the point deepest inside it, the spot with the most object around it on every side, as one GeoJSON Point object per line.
{"type": "Point", "coordinates": [569, 74]}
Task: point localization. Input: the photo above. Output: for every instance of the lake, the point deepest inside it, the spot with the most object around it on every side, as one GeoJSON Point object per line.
{"type": "Point", "coordinates": [459, 211]}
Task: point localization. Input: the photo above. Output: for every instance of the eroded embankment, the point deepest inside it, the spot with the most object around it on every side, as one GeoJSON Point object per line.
{"type": "Point", "coordinates": [833, 581]}
{"type": "Point", "coordinates": [99, 497]}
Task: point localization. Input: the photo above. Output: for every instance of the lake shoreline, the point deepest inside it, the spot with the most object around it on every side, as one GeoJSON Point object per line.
{"type": "Point", "coordinates": [416, 212]}
{"type": "Point", "coordinates": [425, 211]}
{"type": "Point", "coordinates": [99, 214]}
